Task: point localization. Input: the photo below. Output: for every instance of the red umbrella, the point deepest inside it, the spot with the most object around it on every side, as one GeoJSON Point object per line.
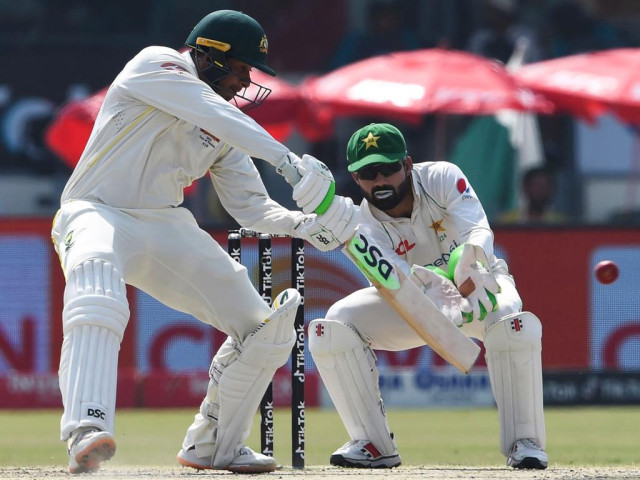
{"type": "Point", "coordinates": [407, 85]}
{"type": "Point", "coordinates": [69, 132]}
{"type": "Point", "coordinates": [281, 104]}
{"type": "Point", "coordinates": [67, 135]}
{"type": "Point", "coordinates": [589, 84]}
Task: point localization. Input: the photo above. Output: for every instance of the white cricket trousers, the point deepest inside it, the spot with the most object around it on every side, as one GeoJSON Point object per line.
{"type": "Point", "coordinates": [383, 329]}
{"type": "Point", "coordinates": [164, 253]}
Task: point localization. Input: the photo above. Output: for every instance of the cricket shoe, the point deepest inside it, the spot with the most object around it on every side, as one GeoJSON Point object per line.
{"type": "Point", "coordinates": [526, 453]}
{"type": "Point", "coordinates": [87, 447]}
{"type": "Point", "coordinates": [246, 461]}
{"type": "Point", "coordinates": [363, 454]}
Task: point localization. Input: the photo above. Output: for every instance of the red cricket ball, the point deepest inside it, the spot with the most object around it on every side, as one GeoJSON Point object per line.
{"type": "Point", "coordinates": [606, 272]}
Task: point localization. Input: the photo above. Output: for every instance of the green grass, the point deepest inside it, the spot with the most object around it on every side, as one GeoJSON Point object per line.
{"type": "Point", "coordinates": [575, 436]}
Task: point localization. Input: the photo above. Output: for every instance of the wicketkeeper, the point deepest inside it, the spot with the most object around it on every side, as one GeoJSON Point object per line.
{"type": "Point", "coordinates": [427, 218]}
{"type": "Point", "coordinates": [167, 120]}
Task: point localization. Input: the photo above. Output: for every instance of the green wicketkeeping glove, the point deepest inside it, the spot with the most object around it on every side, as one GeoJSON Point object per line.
{"type": "Point", "coordinates": [472, 274]}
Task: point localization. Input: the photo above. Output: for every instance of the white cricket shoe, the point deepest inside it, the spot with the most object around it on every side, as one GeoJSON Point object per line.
{"type": "Point", "coordinates": [526, 453]}
{"type": "Point", "coordinates": [363, 454]}
{"type": "Point", "coordinates": [87, 447]}
{"type": "Point", "coordinates": [246, 461]}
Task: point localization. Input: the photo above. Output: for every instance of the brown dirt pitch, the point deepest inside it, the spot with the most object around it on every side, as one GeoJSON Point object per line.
{"type": "Point", "coordinates": [331, 473]}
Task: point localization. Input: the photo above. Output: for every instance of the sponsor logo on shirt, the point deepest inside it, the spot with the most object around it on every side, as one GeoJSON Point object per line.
{"type": "Point", "coordinates": [444, 258]}
{"type": "Point", "coordinates": [463, 188]}
{"type": "Point", "coordinates": [404, 247]}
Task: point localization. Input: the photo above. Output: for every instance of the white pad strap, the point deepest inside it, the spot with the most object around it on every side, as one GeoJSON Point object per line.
{"type": "Point", "coordinates": [514, 351]}
{"type": "Point", "coordinates": [240, 374]}
{"type": "Point", "coordinates": [348, 369]}
{"type": "Point", "coordinates": [94, 319]}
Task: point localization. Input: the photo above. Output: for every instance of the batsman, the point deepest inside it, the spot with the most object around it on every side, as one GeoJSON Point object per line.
{"type": "Point", "coordinates": [168, 119]}
{"type": "Point", "coordinates": [426, 220]}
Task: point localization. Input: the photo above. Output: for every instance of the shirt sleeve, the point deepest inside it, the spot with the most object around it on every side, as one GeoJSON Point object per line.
{"type": "Point", "coordinates": [243, 194]}
{"type": "Point", "coordinates": [167, 80]}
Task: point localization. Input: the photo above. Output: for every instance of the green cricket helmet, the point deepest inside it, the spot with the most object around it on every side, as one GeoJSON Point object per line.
{"type": "Point", "coordinates": [228, 33]}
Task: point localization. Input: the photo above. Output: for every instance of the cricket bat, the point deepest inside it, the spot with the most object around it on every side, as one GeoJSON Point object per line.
{"type": "Point", "coordinates": [420, 313]}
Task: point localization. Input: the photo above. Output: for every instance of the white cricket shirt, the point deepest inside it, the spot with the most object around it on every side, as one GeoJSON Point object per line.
{"type": "Point", "coordinates": [446, 213]}
{"type": "Point", "coordinates": [159, 129]}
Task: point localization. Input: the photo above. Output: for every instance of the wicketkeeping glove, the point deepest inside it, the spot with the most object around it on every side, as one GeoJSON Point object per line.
{"type": "Point", "coordinates": [472, 274]}
{"type": "Point", "coordinates": [436, 285]}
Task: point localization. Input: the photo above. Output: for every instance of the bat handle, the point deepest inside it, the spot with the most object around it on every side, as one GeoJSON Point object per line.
{"type": "Point", "coordinates": [289, 172]}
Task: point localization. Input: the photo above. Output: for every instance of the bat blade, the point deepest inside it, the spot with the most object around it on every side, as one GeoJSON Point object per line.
{"type": "Point", "coordinates": [420, 313]}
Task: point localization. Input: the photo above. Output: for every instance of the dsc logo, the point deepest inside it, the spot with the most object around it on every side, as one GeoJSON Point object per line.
{"type": "Point", "coordinates": [372, 257]}
{"type": "Point", "coordinates": [96, 413]}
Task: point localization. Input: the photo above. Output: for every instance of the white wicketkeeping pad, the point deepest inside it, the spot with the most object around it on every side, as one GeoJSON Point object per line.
{"type": "Point", "coordinates": [348, 369]}
{"type": "Point", "coordinates": [513, 353]}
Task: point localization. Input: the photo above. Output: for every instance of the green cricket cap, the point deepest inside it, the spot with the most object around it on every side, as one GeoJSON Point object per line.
{"type": "Point", "coordinates": [375, 143]}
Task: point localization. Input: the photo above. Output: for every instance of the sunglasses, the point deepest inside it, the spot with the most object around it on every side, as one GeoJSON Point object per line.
{"type": "Point", "coordinates": [370, 172]}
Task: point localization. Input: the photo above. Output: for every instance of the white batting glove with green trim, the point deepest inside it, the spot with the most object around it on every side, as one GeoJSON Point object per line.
{"type": "Point", "coordinates": [316, 189]}
{"type": "Point", "coordinates": [341, 219]}
{"type": "Point", "coordinates": [312, 231]}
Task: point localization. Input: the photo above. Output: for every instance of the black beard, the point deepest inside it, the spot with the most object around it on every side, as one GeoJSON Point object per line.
{"type": "Point", "coordinates": [387, 203]}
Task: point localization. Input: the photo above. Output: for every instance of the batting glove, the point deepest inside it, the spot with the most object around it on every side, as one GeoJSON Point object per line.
{"type": "Point", "coordinates": [315, 191]}
{"type": "Point", "coordinates": [313, 232]}
{"type": "Point", "coordinates": [341, 219]}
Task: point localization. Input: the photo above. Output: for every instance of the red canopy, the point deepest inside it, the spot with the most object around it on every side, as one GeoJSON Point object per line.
{"type": "Point", "coordinates": [407, 85]}
{"type": "Point", "coordinates": [68, 133]}
{"type": "Point", "coordinates": [589, 84]}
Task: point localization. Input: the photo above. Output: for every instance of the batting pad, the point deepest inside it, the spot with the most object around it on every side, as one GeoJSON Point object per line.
{"type": "Point", "coordinates": [513, 354]}
{"type": "Point", "coordinates": [348, 369]}
{"type": "Point", "coordinates": [94, 317]}
{"type": "Point", "coordinates": [240, 374]}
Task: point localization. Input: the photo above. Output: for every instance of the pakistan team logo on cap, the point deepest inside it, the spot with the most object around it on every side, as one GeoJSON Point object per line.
{"type": "Point", "coordinates": [375, 143]}
{"type": "Point", "coordinates": [370, 141]}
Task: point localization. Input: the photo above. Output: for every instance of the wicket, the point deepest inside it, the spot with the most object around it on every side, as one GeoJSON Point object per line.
{"type": "Point", "coordinates": [265, 284]}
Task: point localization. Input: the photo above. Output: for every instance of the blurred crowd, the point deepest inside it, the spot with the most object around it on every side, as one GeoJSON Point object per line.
{"type": "Point", "coordinates": [55, 50]}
